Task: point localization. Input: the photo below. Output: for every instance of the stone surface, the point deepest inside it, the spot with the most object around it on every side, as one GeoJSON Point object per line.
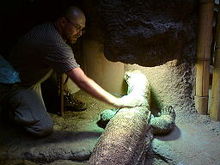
{"type": "Point", "coordinates": [67, 162]}
{"type": "Point", "coordinates": [61, 145]}
{"type": "Point", "coordinates": [195, 140]}
{"type": "Point", "coordinates": [170, 85]}
{"type": "Point", "coordinates": [145, 32]}
{"type": "Point", "coordinates": [74, 137]}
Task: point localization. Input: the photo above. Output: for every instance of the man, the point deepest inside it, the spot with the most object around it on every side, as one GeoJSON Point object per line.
{"type": "Point", "coordinates": [45, 48]}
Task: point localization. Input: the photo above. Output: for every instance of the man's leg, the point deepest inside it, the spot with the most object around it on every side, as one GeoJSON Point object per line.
{"type": "Point", "coordinates": [4, 91]}
{"type": "Point", "coordinates": [29, 110]}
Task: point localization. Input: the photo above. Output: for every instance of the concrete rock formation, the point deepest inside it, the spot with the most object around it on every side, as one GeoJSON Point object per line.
{"type": "Point", "coordinates": [146, 32]}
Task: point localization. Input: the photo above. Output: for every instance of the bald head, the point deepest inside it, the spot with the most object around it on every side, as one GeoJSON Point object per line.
{"type": "Point", "coordinates": [70, 24]}
{"type": "Point", "coordinates": [75, 15]}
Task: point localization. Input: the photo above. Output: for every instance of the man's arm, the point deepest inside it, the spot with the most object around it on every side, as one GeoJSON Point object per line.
{"type": "Point", "coordinates": [85, 83]}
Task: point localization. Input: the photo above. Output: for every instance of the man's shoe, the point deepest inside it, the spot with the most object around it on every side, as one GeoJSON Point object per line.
{"type": "Point", "coordinates": [70, 103]}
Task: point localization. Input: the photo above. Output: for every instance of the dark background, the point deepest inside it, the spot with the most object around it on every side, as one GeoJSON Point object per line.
{"type": "Point", "coordinates": [18, 16]}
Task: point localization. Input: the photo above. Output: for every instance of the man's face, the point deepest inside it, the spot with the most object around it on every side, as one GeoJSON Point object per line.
{"type": "Point", "coordinates": [73, 29]}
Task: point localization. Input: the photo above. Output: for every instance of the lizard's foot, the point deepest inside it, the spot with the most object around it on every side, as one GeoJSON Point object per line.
{"type": "Point", "coordinates": [165, 122]}
{"type": "Point", "coordinates": [168, 110]}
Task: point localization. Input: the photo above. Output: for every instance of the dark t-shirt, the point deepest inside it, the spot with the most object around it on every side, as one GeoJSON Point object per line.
{"type": "Point", "coordinates": [38, 52]}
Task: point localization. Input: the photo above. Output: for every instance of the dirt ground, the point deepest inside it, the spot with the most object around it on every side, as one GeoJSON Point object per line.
{"type": "Point", "coordinates": [194, 141]}
{"type": "Point", "coordinates": [74, 137]}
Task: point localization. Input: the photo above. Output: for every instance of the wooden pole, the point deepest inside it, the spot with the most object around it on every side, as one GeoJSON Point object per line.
{"type": "Point", "coordinates": [61, 93]}
{"type": "Point", "coordinates": [203, 55]}
{"type": "Point", "coordinates": [215, 99]}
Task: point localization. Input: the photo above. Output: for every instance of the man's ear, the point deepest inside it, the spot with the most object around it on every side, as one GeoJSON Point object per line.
{"type": "Point", "coordinates": [61, 21]}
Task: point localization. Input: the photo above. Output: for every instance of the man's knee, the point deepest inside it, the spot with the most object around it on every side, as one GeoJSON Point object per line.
{"type": "Point", "coordinates": [40, 129]}
{"type": "Point", "coordinates": [30, 111]}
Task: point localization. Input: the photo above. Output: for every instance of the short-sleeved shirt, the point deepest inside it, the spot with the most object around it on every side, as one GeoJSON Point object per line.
{"type": "Point", "coordinates": [38, 52]}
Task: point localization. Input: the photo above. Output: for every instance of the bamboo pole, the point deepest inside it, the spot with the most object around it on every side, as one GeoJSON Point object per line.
{"type": "Point", "coordinates": [61, 93]}
{"type": "Point", "coordinates": [215, 99]}
{"type": "Point", "coordinates": [203, 55]}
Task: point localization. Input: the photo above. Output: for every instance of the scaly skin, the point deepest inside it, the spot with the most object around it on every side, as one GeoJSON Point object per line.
{"type": "Point", "coordinates": [162, 125]}
{"type": "Point", "coordinates": [137, 92]}
{"type": "Point", "coordinates": [165, 122]}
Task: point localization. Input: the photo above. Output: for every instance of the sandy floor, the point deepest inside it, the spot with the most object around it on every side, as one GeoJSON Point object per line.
{"type": "Point", "coordinates": [75, 135]}
{"type": "Point", "coordinates": [195, 140]}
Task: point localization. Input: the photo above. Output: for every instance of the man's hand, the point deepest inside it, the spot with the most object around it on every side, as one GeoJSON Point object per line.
{"type": "Point", "coordinates": [131, 101]}
{"type": "Point", "coordinates": [91, 87]}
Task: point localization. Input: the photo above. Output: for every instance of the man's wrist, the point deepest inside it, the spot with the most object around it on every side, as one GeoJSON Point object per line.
{"type": "Point", "coordinates": [117, 102]}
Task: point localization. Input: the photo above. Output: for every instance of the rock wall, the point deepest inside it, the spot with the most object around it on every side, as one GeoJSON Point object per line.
{"type": "Point", "coordinates": [145, 32]}
{"type": "Point", "coordinates": [170, 85]}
